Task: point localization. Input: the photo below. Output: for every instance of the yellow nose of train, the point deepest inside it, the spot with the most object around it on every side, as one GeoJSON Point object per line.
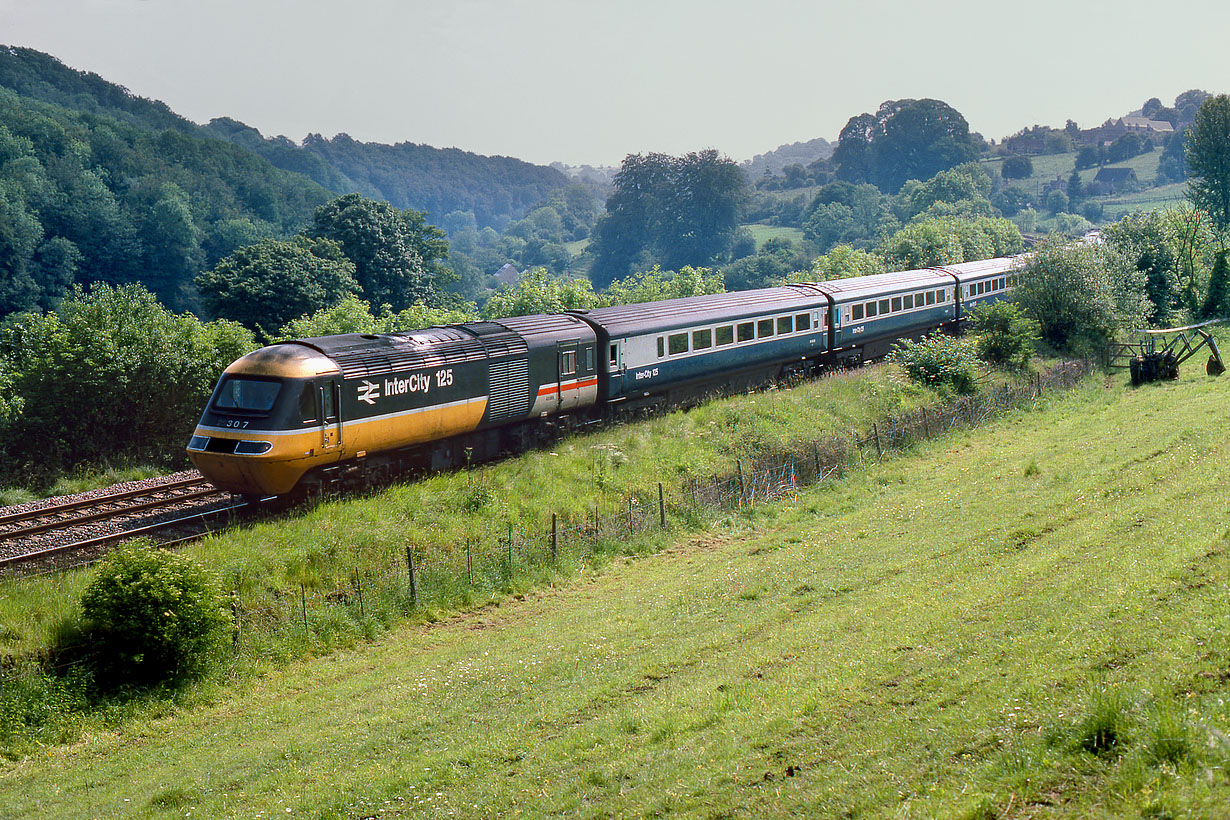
{"type": "Point", "coordinates": [268, 421]}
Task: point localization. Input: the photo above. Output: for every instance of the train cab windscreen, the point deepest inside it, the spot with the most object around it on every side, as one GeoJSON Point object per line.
{"type": "Point", "coordinates": [246, 395]}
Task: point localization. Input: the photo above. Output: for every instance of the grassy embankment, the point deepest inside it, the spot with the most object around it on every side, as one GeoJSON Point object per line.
{"type": "Point", "coordinates": [321, 550]}
{"type": "Point", "coordinates": [1027, 620]}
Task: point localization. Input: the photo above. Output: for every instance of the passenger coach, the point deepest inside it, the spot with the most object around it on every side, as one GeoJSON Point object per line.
{"type": "Point", "coordinates": [668, 350]}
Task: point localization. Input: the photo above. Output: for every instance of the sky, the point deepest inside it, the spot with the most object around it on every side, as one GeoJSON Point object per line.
{"type": "Point", "coordinates": [584, 82]}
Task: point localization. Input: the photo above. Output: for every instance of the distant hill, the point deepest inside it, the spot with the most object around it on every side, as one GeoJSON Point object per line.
{"type": "Point", "coordinates": [797, 153]}
{"type": "Point", "coordinates": [99, 185]}
{"type": "Point", "coordinates": [437, 180]}
{"type": "Point", "coordinates": [42, 77]}
{"type": "Point", "coordinates": [440, 181]}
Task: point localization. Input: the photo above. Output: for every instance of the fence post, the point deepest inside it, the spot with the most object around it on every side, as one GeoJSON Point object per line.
{"type": "Point", "coordinates": [661, 506]}
{"type": "Point", "coordinates": [631, 528]}
{"type": "Point", "coordinates": [414, 581]}
{"type": "Point", "coordinates": [510, 549]}
{"type": "Point", "coordinates": [469, 565]}
{"type": "Point", "coordinates": [742, 490]}
{"type": "Point", "coordinates": [875, 431]}
{"type": "Point", "coordinates": [358, 582]}
{"type": "Point", "coordinates": [554, 538]}
{"type": "Point", "coordinates": [236, 616]}
{"type": "Point", "coordinates": [303, 603]}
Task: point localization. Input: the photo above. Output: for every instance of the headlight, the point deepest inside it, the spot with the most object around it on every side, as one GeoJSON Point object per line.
{"type": "Point", "coordinates": [253, 448]}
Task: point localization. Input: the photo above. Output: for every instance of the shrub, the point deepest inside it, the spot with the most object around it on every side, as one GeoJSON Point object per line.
{"type": "Point", "coordinates": [1006, 336]}
{"type": "Point", "coordinates": [1017, 167]}
{"type": "Point", "coordinates": [939, 361]}
{"type": "Point", "coordinates": [152, 616]}
{"type": "Point", "coordinates": [1081, 294]}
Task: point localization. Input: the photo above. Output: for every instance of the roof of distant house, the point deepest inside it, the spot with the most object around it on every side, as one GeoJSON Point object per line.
{"type": "Point", "coordinates": [1146, 124]}
{"type": "Point", "coordinates": [508, 274]}
{"type": "Point", "coordinates": [1115, 174]}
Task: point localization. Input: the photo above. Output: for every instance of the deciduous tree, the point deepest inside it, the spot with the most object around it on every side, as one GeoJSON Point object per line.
{"type": "Point", "coordinates": [272, 282]}
{"type": "Point", "coordinates": [1208, 160]}
{"type": "Point", "coordinates": [395, 253]}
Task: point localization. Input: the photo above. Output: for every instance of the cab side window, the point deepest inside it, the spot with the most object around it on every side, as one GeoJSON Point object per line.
{"type": "Point", "coordinates": [307, 403]}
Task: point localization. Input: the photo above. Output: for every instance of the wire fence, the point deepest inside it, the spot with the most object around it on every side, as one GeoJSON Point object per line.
{"type": "Point", "coordinates": [412, 579]}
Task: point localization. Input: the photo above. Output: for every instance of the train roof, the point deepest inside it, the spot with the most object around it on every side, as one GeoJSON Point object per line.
{"type": "Point", "coordinates": [860, 287]}
{"type": "Point", "coordinates": [965, 271]}
{"type": "Point", "coordinates": [375, 354]}
{"type": "Point", "coordinates": [647, 317]}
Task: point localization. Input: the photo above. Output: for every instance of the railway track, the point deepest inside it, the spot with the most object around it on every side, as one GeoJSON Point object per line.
{"type": "Point", "coordinates": [78, 529]}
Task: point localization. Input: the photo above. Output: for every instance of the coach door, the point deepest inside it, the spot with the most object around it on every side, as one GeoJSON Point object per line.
{"type": "Point", "coordinates": [329, 411]}
{"type": "Point", "coordinates": [566, 382]}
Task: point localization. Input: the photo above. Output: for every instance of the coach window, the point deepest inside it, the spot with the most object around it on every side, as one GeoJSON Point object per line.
{"type": "Point", "coordinates": [856, 312]}
{"type": "Point", "coordinates": [702, 339]}
{"type": "Point", "coordinates": [764, 328]}
{"type": "Point", "coordinates": [784, 325]}
{"type": "Point", "coordinates": [615, 352]}
{"type": "Point", "coordinates": [941, 296]}
{"type": "Point", "coordinates": [724, 335]}
{"type": "Point", "coordinates": [746, 333]}
{"type": "Point", "coordinates": [871, 310]}
{"type": "Point", "coordinates": [802, 322]}
{"type": "Point", "coordinates": [661, 347]}
{"type": "Point", "coordinates": [678, 343]}
{"type": "Point", "coordinates": [896, 303]}
{"type": "Point", "coordinates": [907, 302]}
{"type": "Point", "coordinates": [567, 362]}
{"type": "Point", "coordinates": [589, 360]}
{"type": "Point", "coordinates": [930, 297]}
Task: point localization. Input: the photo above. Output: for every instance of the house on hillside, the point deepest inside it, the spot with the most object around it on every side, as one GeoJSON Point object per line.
{"type": "Point", "coordinates": [1118, 180]}
{"type": "Point", "coordinates": [1146, 125]}
{"type": "Point", "coordinates": [1111, 130]}
{"type": "Point", "coordinates": [507, 275]}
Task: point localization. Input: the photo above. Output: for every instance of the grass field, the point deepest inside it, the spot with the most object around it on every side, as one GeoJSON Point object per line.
{"type": "Point", "coordinates": [1059, 166]}
{"type": "Point", "coordinates": [763, 233]}
{"type": "Point", "coordinates": [1028, 620]}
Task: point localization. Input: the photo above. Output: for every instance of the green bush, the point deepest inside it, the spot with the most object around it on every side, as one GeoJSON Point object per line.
{"type": "Point", "coordinates": [152, 616]}
{"type": "Point", "coordinates": [939, 361]}
{"type": "Point", "coordinates": [1006, 336]}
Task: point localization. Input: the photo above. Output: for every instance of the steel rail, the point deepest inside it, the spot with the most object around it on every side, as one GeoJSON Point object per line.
{"type": "Point", "coordinates": [70, 506]}
{"type": "Point", "coordinates": [137, 532]}
{"type": "Point", "coordinates": [102, 515]}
